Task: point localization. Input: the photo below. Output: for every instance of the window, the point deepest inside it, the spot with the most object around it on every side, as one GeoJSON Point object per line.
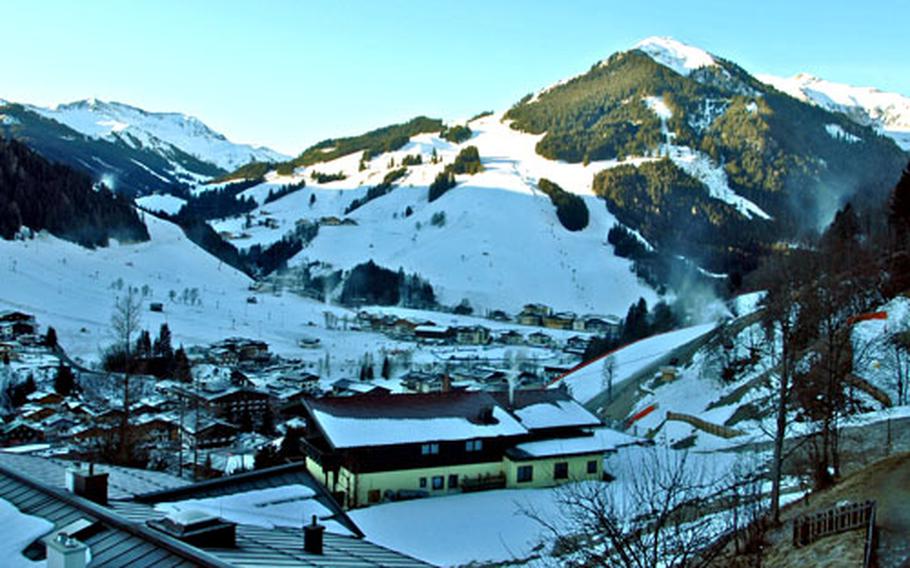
{"type": "Point", "coordinates": [561, 470]}
{"type": "Point", "coordinates": [423, 482]}
{"type": "Point", "coordinates": [453, 481]}
{"type": "Point", "coordinates": [473, 445]}
{"type": "Point", "coordinates": [429, 449]}
{"type": "Point", "coordinates": [592, 466]}
{"type": "Point", "coordinates": [438, 482]}
{"type": "Point", "coordinates": [525, 473]}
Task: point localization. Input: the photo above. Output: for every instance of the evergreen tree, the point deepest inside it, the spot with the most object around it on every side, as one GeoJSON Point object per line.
{"type": "Point", "coordinates": [163, 343]}
{"type": "Point", "coordinates": [386, 368]}
{"type": "Point", "coordinates": [182, 371]}
{"type": "Point", "coordinates": [64, 381]}
{"type": "Point", "coordinates": [143, 344]}
{"type": "Point", "coordinates": [50, 338]}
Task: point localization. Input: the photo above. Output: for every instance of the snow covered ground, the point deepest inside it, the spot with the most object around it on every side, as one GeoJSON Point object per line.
{"type": "Point", "coordinates": [165, 203]}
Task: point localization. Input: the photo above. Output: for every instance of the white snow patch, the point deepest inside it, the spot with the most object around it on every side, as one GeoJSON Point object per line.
{"type": "Point", "coordinates": [676, 55]}
{"type": "Point", "coordinates": [19, 530]}
{"type": "Point", "coordinates": [835, 131]}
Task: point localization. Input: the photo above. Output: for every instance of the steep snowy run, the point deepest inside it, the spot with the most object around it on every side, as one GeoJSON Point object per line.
{"type": "Point", "coordinates": [156, 130]}
{"type": "Point", "coordinates": [889, 113]}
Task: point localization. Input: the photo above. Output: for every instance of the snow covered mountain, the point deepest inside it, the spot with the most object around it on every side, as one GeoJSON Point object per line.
{"type": "Point", "coordinates": [889, 113]}
{"type": "Point", "coordinates": [160, 131]}
{"type": "Point", "coordinates": [132, 151]}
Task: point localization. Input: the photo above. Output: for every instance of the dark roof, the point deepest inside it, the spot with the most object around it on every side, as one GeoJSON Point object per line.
{"type": "Point", "coordinates": [278, 476]}
{"type": "Point", "coordinates": [118, 535]}
{"type": "Point", "coordinates": [123, 482]}
{"type": "Point", "coordinates": [458, 404]}
{"type": "Point", "coordinates": [113, 540]}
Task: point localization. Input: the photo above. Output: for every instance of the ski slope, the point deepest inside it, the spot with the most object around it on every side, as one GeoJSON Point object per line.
{"type": "Point", "coordinates": [501, 245]}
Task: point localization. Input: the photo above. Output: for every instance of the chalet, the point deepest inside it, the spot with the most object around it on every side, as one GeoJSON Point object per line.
{"type": "Point", "coordinates": [45, 398]}
{"type": "Point", "coordinates": [472, 335]}
{"type": "Point", "coordinates": [20, 432]}
{"type": "Point", "coordinates": [402, 328]}
{"type": "Point", "coordinates": [533, 314]}
{"type": "Point", "coordinates": [562, 320]}
{"type": "Point", "coordinates": [14, 324]}
{"type": "Point", "coordinates": [209, 434]}
{"type": "Point", "coordinates": [607, 325]}
{"type": "Point", "coordinates": [369, 449]}
{"type": "Point", "coordinates": [577, 344]}
{"type": "Point", "coordinates": [432, 333]}
{"type": "Point", "coordinates": [418, 382]}
{"type": "Point", "coordinates": [540, 339]}
{"type": "Point", "coordinates": [239, 403]}
{"type": "Point", "coordinates": [347, 387]}
{"type": "Point", "coordinates": [510, 337]}
{"type": "Point", "coordinates": [152, 431]}
{"type": "Point", "coordinates": [239, 350]}
{"type": "Point", "coordinates": [498, 315]}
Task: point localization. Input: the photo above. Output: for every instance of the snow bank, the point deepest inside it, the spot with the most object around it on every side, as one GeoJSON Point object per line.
{"type": "Point", "coordinates": [19, 530]}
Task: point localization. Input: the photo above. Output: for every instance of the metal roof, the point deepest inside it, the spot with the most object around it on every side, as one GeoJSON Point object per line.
{"type": "Point", "coordinates": [113, 541]}
{"type": "Point", "coordinates": [118, 535]}
{"type": "Point", "coordinates": [123, 482]}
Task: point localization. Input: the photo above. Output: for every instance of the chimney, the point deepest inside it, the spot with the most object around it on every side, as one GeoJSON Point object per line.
{"type": "Point", "coordinates": [63, 551]}
{"type": "Point", "coordinates": [87, 484]}
{"type": "Point", "coordinates": [312, 537]}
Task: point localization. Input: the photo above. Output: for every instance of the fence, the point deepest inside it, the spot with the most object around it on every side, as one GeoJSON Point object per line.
{"type": "Point", "coordinates": [809, 528]}
{"type": "Point", "coordinates": [704, 425]}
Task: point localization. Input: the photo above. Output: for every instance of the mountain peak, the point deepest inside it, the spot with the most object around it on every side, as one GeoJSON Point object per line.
{"type": "Point", "coordinates": [678, 56]}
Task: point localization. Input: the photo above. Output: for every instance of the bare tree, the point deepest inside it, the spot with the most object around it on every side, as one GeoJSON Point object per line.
{"type": "Point", "coordinates": [660, 512]}
{"type": "Point", "coordinates": [608, 372]}
{"type": "Point", "coordinates": [125, 323]}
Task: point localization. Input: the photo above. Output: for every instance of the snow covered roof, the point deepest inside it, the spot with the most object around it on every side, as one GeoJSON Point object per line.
{"type": "Point", "coordinates": [382, 420]}
{"type": "Point", "coordinates": [600, 440]}
{"type": "Point", "coordinates": [547, 409]}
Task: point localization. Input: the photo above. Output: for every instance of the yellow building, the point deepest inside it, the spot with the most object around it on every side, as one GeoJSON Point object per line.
{"type": "Point", "coordinates": [368, 449]}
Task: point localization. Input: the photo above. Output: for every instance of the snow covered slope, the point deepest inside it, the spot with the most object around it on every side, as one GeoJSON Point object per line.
{"type": "Point", "coordinates": [887, 112]}
{"type": "Point", "coordinates": [156, 130]}
{"type": "Point", "coordinates": [495, 240]}
{"type": "Point", "coordinates": [74, 289]}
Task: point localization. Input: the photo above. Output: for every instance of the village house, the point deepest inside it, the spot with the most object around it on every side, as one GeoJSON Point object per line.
{"type": "Point", "coordinates": [385, 447]}
{"type": "Point", "coordinates": [433, 334]}
{"type": "Point", "coordinates": [608, 326]}
{"type": "Point", "coordinates": [510, 337]}
{"type": "Point", "coordinates": [209, 434]}
{"type": "Point", "coordinates": [540, 339]}
{"type": "Point", "coordinates": [14, 324]}
{"type": "Point", "coordinates": [472, 335]}
{"type": "Point", "coordinates": [19, 432]}
{"type": "Point", "coordinates": [419, 382]}
{"type": "Point", "coordinates": [562, 320]}
{"type": "Point", "coordinates": [577, 344]}
{"type": "Point", "coordinates": [348, 387]}
{"type": "Point", "coordinates": [533, 314]}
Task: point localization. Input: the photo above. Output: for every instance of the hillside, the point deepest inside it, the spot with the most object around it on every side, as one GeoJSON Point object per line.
{"type": "Point", "coordinates": [731, 138]}
{"type": "Point", "coordinates": [485, 240]}
{"type": "Point", "coordinates": [36, 195]}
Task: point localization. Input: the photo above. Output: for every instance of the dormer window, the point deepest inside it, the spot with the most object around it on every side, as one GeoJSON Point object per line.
{"type": "Point", "coordinates": [473, 445]}
{"type": "Point", "coordinates": [429, 449]}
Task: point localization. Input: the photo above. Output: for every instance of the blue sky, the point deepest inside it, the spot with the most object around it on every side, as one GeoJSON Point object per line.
{"type": "Point", "coordinates": [290, 73]}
